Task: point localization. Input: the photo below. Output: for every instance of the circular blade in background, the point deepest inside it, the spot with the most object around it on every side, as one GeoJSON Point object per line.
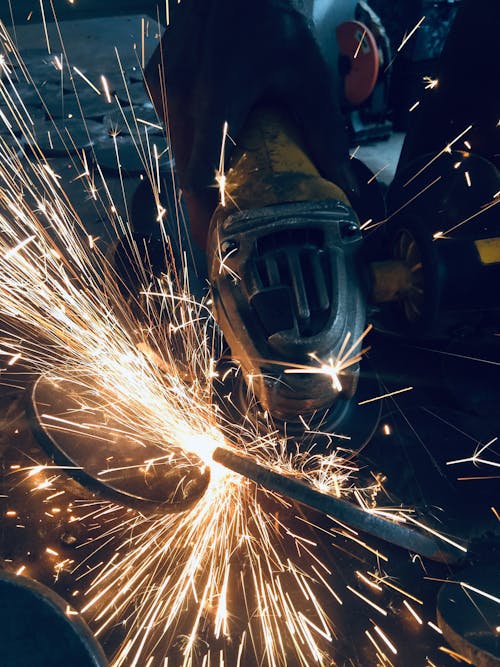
{"type": "Point", "coordinates": [358, 47]}
{"type": "Point", "coordinates": [468, 613]}
{"type": "Point", "coordinates": [70, 420]}
{"type": "Point", "coordinates": [40, 628]}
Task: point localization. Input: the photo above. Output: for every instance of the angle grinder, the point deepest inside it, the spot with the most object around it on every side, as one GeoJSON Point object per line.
{"type": "Point", "coordinates": [291, 286]}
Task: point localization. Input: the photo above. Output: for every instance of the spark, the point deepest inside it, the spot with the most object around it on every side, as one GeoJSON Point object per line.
{"type": "Point", "coordinates": [19, 247]}
{"type": "Point", "coordinates": [457, 656]}
{"type": "Point", "coordinates": [403, 206]}
{"type": "Point", "coordinates": [360, 43]}
{"type": "Point", "coordinates": [42, 10]}
{"type": "Point", "coordinates": [149, 124]}
{"type": "Point", "coordinates": [14, 359]}
{"type": "Point", "coordinates": [460, 356]}
{"type": "Point", "coordinates": [446, 149]}
{"type": "Point", "coordinates": [376, 174]}
{"type": "Point", "coordinates": [54, 495]}
{"type": "Point", "coordinates": [367, 600]}
{"type": "Point", "coordinates": [430, 83]}
{"type": "Point", "coordinates": [391, 393]}
{"type": "Point", "coordinates": [157, 165]}
{"type": "Point", "coordinates": [353, 154]}
{"type": "Point", "coordinates": [409, 35]}
{"type": "Point", "coordinates": [220, 175]}
{"type": "Point", "coordinates": [334, 367]}
{"type": "Point", "coordinates": [475, 458]}
{"type": "Point", "coordinates": [87, 80]}
{"type": "Point", "coordinates": [390, 584]}
{"type": "Point", "coordinates": [413, 612]}
{"type": "Point", "coordinates": [480, 592]}
{"type": "Point", "coordinates": [435, 627]}
{"type": "Point", "coordinates": [436, 533]}
{"type": "Point", "coordinates": [143, 48]}
{"type": "Point", "coordinates": [482, 210]}
{"type": "Point", "coordinates": [385, 639]}
{"type": "Point", "coordinates": [105, 87]}
{"type": "Point", "coordinates": [367, 581]}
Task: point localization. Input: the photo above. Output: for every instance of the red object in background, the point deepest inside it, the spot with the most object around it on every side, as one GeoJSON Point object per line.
{"type": "Point", "coordinates": [358, 44]}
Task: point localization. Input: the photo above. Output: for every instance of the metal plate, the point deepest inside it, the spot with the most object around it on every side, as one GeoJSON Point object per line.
{"type": "Point", "coordinates": [40, 628]}
{"type": "Point", "coordinates": [70, 420]}
{"type": "Point", "coordinates": [64, 138]}
{"type": "Point", "coordinates": [131, 161]}
{"type": "Point", "coordinates": [468, 612]}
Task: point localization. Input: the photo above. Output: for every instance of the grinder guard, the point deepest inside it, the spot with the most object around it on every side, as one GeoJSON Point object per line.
{"type": "Point", "coordinates": [286, 287]}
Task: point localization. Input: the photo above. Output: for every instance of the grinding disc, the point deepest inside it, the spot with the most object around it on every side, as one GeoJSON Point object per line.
{"type": "Point", "coordinates": [346, 422]}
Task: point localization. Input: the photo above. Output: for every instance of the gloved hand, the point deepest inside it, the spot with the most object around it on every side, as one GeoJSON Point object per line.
{"type": "Point", "coordinates": [216, 61]}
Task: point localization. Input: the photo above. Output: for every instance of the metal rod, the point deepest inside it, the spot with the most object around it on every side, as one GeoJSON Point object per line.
{"type": "Point", "coordinates": [428, 546]}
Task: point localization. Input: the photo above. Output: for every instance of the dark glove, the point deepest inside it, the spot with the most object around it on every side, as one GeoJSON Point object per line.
{"type": "Point", "coordinates": [222, 57]}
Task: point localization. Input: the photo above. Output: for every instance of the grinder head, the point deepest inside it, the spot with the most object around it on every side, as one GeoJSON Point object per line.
{"type": "Point", "coordinates": [287, 291]}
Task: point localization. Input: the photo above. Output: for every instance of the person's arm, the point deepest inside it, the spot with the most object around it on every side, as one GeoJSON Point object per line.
{"type": "Point", "coordinates": [220, 59]}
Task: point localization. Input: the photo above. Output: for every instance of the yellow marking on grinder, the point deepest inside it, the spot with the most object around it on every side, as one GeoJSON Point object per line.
{"type": "Point", "coordinates": [489, 250]}
{"type": "Point", "coordinates": [270, 165]}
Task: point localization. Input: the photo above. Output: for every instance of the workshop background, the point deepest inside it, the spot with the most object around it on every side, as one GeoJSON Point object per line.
{"type": "Point", "coordinates": [430, 445]}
